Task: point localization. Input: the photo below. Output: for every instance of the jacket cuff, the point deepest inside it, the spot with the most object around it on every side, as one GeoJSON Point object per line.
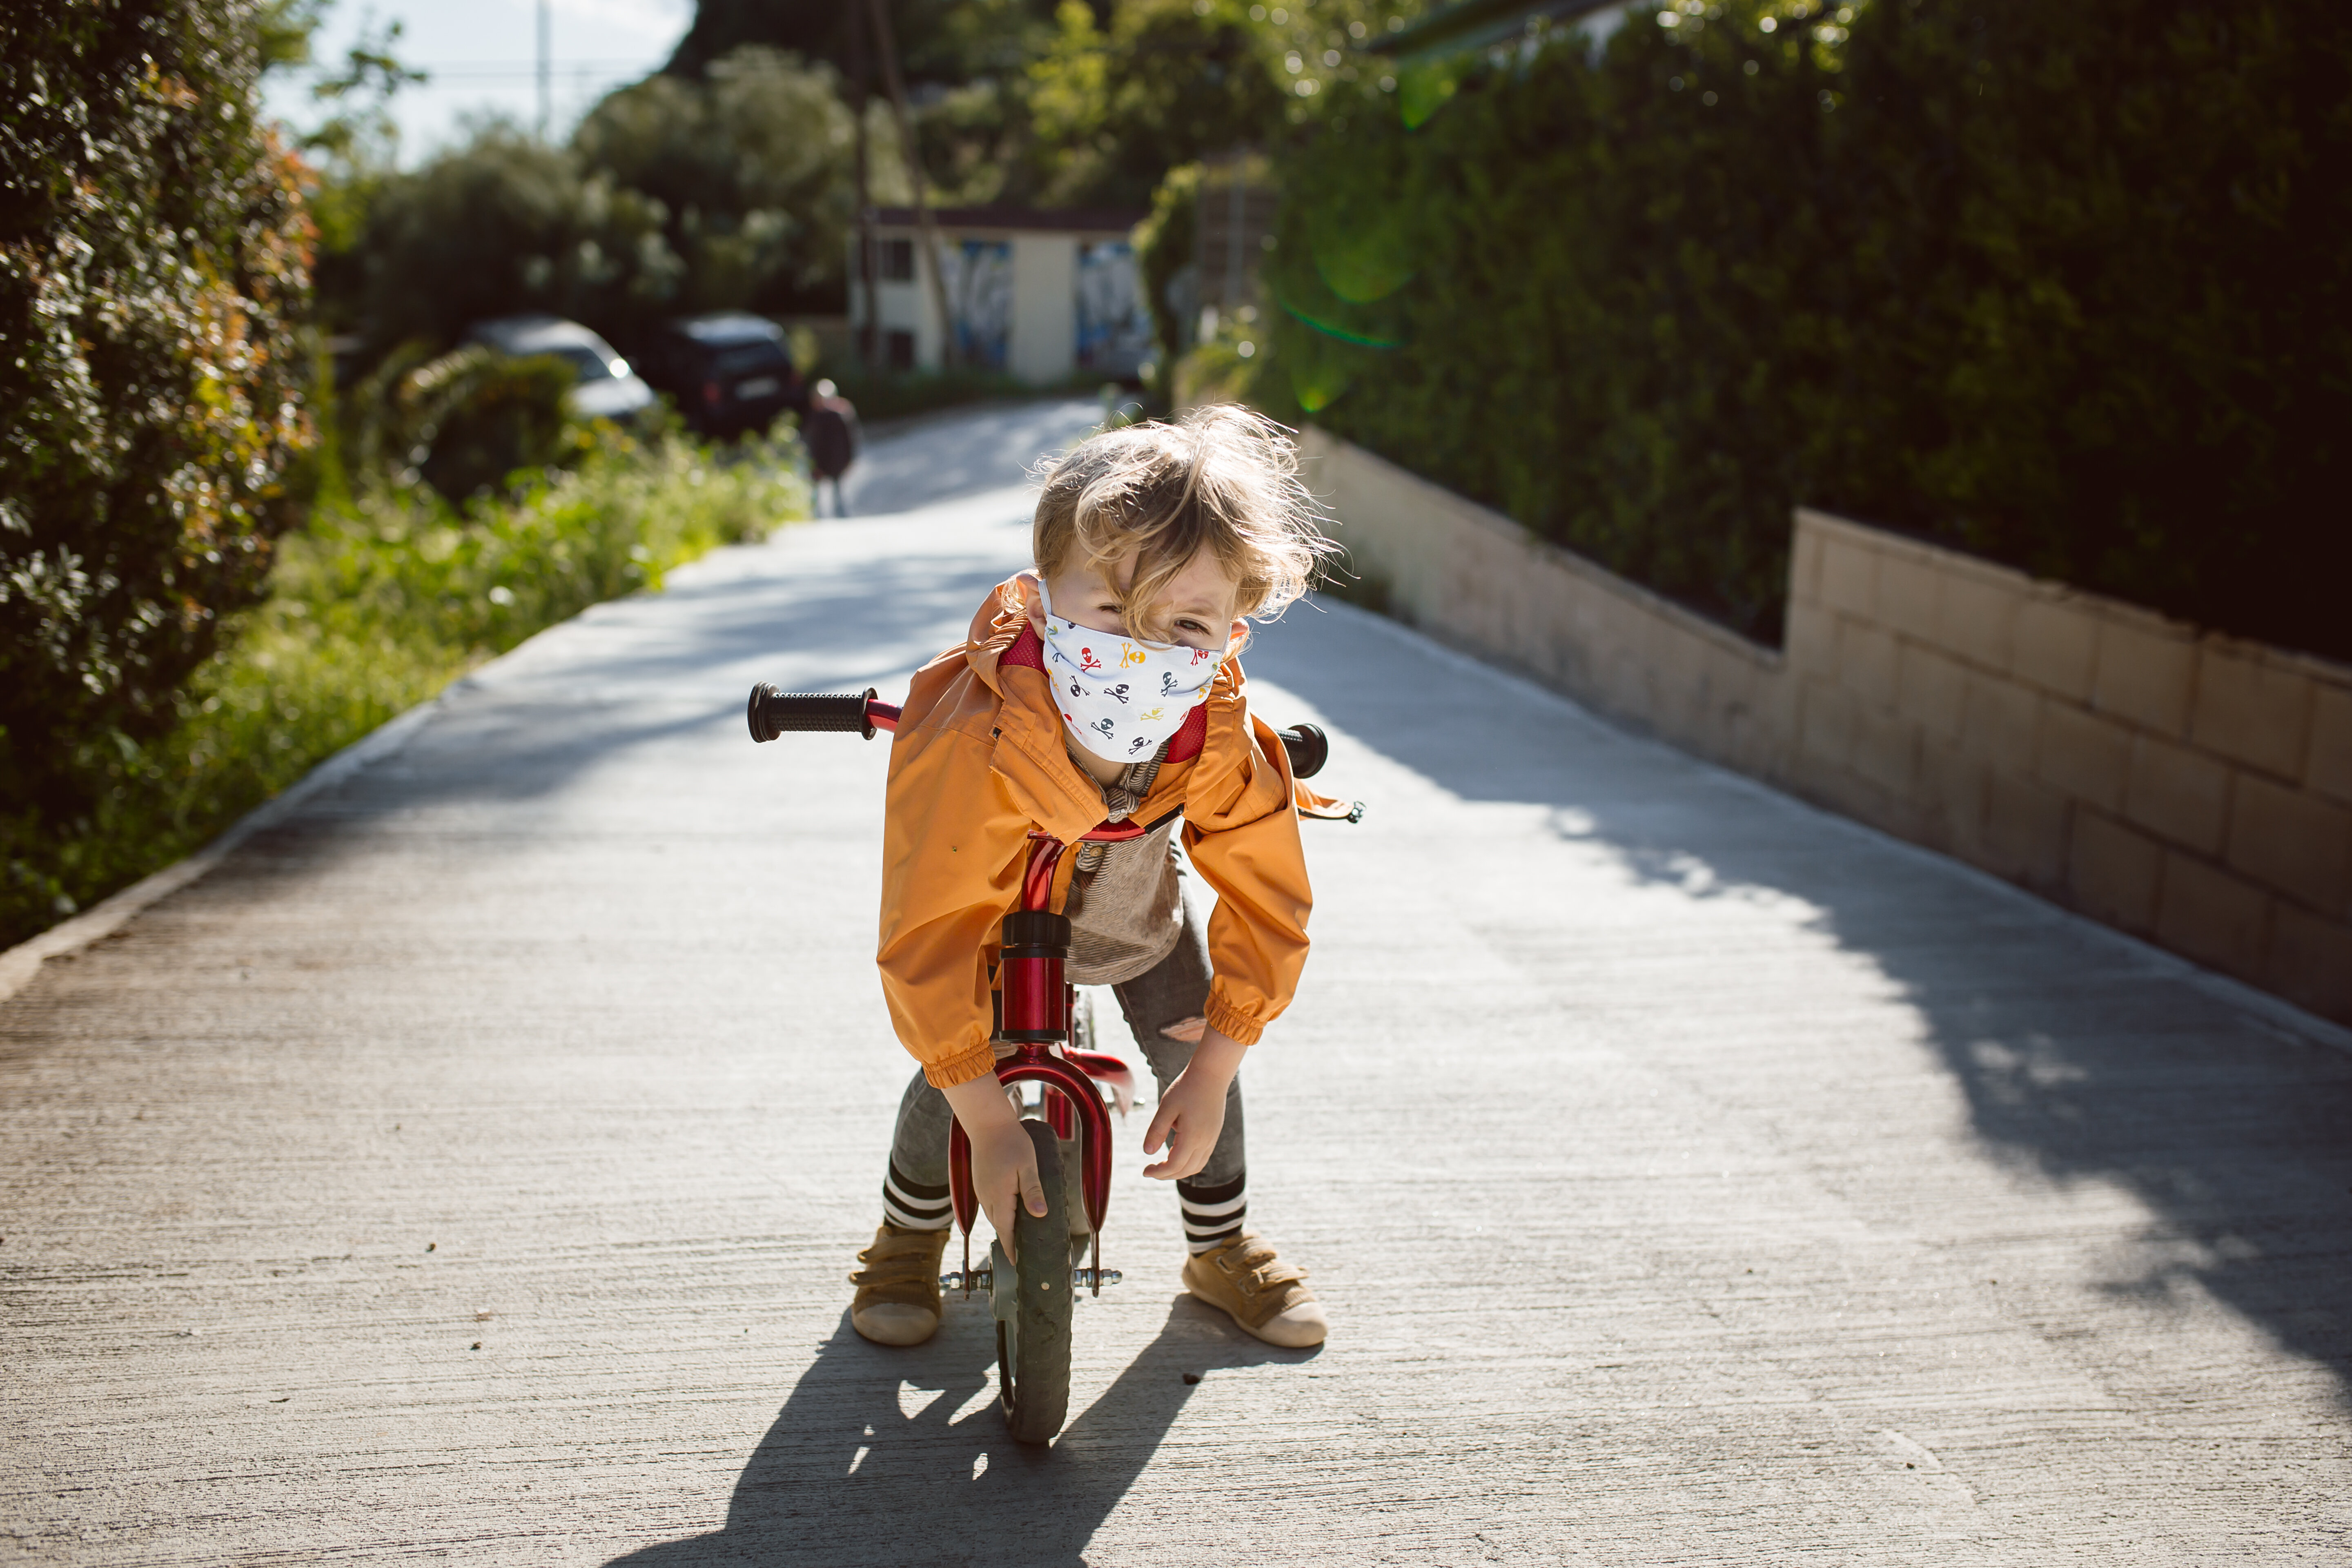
{"type": "Point", "coordinates": [963, 1067]}
{"type": "Point", "coordinates": [1232, 1022]}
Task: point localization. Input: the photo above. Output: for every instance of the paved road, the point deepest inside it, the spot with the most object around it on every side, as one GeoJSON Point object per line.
{"type": "Point", "coordinates": [467, 1168]}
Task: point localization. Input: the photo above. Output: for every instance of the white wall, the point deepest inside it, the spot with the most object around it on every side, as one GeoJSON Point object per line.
{"type": "Point", "coordinates": [1043, 342]}
{"type": "Point", "coordinates": [1045, 346]}
{"type": "Point", "coordinates": [906, 308]}
{"type": "Point", "coordinates": [2187, 787]}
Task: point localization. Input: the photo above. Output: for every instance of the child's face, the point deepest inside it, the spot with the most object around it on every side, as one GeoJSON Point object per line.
{"type": "Point", "coordinates": [1198, 609]}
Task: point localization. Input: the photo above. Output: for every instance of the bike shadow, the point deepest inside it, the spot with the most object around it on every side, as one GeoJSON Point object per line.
{"type": "Point", "coordinates": [894, 1456]}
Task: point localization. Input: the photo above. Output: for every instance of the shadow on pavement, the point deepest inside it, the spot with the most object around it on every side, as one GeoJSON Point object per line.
{"type": "Point", "coordinates": [2080, 1056]}
{"type": "Point", "coordinates": [901, 1456]}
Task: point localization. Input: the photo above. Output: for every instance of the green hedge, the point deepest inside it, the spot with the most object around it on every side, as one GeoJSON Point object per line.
{"type": "Point", "coordinates": [153, 273]}
{"type": "Point", "coordinates": [2066, 286]}
{"type": "Point", "coordinates": [389, 592]}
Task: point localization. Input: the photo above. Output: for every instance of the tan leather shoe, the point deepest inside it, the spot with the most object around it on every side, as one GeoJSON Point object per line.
{"type": "Point", "coordinates": [1251, 1283]}
{"type": "Point", "coordinates": [897, 1300]}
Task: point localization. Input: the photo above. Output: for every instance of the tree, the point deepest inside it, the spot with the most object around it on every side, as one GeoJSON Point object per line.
{"type": "Point", "coordinates": [946, 42]}
{"type": "Point", "coordinates": [154, 257]}
{"type": "Point", "coordinates": [675, 196]}
{"type": "Point", "coordinates": [752, 166]}
{"type": "Point", "coordinates": [1083, 102]}
{"type": "Point", "coordinates": [1167, 82]}
{"type": "Point", "coordinates": [507, 224]}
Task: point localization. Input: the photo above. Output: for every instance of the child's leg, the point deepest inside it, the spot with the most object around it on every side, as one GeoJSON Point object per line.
{"type": "Point", "coordinates": [1228, 1265]}
{"type": "Point", "coordinates": [897, 1300]}
{"type": "Point", "coordinates": [915, 1188]}
{"type": "Point", "coordinates": [1166, 1006]}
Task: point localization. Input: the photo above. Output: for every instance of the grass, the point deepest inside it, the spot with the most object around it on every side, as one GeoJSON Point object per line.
{"type": "Point", "coordinates": [387, 597]}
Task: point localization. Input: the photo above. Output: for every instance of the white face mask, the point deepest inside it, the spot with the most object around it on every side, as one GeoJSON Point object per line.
{"type": "Point", "coordinates": [1122, 697]}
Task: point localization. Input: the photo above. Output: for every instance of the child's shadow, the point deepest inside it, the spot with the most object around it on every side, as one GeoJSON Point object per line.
{"type": "Point", "coordinates": [869, 1460]}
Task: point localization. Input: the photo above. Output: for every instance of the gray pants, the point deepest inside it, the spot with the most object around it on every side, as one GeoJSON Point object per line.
{"type": "Point", "coordinates": [1171, 990]}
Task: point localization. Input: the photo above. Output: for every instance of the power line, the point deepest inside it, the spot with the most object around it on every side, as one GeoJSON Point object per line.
{"type": "Point", "coordinates": [546, 51]}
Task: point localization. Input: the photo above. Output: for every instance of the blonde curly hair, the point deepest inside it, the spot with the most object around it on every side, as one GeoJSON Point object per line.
{"type": "Point", "coordinates": [1222, 478]}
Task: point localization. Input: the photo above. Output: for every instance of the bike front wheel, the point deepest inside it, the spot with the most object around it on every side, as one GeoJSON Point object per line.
{"type": "Point", "coordinates": [1033, 1301]}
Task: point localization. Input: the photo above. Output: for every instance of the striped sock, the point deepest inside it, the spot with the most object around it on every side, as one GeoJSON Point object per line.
{"type": "Point", "coordinates": [914, 1206]}
{"type": "Point", "coordinates": [1213, 1214]}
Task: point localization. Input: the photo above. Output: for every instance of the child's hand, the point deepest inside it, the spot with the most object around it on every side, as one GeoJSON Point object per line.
{"type": "Point", "coordinates": [1193, 1112]}
{"type": "Point", "coordinates": [1003, 1161]}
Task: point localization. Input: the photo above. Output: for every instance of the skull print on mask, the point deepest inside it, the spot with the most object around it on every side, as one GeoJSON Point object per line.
{"type": "Point", "coordinates": [1122, 697]}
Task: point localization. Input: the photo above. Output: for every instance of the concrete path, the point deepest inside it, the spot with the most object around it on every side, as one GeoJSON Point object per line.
{"type": "Point", "coordinates": [468, 1169]}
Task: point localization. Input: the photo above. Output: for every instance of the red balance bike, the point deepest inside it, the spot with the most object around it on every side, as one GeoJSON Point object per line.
{"type": "Point", "coordinates": [1031, 1298]}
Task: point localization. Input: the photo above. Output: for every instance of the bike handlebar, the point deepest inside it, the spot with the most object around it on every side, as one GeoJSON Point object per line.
{"type": "Point", "coordinates": [1309, 747]}
{"type": "Point", "coordinates": [772, 714]}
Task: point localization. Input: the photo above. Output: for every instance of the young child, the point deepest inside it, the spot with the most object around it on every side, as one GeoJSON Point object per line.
{"type": "Point", "coordinates": [1104, 686]}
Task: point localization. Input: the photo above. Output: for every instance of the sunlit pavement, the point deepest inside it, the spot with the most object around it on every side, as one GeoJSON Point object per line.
{"type": "Point", "coordinates": [468, 1168]}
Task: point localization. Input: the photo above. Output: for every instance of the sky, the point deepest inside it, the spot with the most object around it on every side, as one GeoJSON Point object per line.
{"type": "Point", "coordinates": [482, 56]}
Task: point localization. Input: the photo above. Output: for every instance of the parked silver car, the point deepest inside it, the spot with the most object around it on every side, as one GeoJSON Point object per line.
{"type": "Point", "coordinates": [607, 387]}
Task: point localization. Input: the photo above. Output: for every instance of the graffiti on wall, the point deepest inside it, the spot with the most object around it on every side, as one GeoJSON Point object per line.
{"type": "Point", "coordinates": [980, 291]}
{"type": "Point", "coordinates": [1114, 332]}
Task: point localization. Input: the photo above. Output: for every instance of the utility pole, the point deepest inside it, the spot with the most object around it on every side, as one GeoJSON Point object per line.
{"type": "Point", "coordinates": [869, 329]}
{"type": "Point", "coordinates": [888, 49]}
{"type": "Point", "coordinates": [546, 50]}
{"type": "Point", "coordinates": [1236, 214]}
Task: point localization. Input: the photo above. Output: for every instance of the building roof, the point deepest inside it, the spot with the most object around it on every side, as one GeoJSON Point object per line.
{"type": "Point", "coordinates": [1049, 220]}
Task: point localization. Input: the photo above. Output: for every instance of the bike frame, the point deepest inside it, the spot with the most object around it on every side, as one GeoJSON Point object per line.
{"type": "Point", "coordinates": [1037, 1008]}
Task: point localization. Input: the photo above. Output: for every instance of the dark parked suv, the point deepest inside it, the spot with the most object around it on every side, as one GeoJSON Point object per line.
{"type": "Point", "coordinates": [731, 372]}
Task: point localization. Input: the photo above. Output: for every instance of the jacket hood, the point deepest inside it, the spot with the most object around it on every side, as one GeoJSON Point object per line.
{"type": "Point", "coordinates": [1028, 726]}
{"type": "Point", "coordinates": [994, 629]}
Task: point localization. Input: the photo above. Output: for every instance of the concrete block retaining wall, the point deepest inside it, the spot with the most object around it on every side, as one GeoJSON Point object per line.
{"type": "Point", "coordinates": [2188, 788]}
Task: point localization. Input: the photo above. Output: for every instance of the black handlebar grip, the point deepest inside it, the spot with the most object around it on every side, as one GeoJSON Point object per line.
{"type": "Point", "coordinates": [1309, 747]}
{"type": "Point", "coordinates": [772, 713]}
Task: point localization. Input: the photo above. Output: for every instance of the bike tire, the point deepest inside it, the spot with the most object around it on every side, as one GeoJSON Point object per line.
{"type": "Point", "coordinates": [1033, 1319]}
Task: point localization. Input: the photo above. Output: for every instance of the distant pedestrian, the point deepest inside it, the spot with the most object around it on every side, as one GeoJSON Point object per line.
{"type": "Point", "coordinates": [829, 430]}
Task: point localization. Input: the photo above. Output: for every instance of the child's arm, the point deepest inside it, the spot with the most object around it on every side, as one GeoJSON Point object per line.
{"type": "Point", "coordinates": [1245, 844]}
{"type": "Point", "coordinates": [1003, 1161]}
{"type": "Point", "coordinates": [1193, 1112]}
{"type": "Point", "coordinates": [954, 849]}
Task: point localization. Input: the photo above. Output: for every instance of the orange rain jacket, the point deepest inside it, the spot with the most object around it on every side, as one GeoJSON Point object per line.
{"type": "Point", "coordinates": [979, 761]}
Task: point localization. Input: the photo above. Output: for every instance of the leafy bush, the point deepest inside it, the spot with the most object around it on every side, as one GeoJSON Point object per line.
{"type": "Point", "coordinates": [2060, 285]}
{"type": "Point", "coordinates": [1166, 271]}
{"type": "Point", "coordinates": [473, 417]}
{"type": "Point", "coordinates": [377, 606]}
{"type": "Point", "coordinates": [152, 256]}
{"type": "Point", "coordinates": [461, 422]}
